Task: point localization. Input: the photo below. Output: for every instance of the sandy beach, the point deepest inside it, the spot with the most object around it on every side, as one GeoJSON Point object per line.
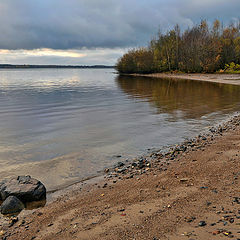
{"type": "Point", "coordinates": [218, 78]}
{"type": "Point", "coordinates": [189, 192]}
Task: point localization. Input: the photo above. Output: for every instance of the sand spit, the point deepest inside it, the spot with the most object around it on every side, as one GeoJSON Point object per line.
{"type": "Point", "coordinates": [217, 78]}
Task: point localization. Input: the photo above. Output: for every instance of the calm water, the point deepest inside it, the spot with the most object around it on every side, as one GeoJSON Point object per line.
{"type": "Point", "coordinates": [62, 125]}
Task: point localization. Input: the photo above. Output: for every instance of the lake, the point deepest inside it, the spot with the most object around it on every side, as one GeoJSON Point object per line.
{"type": "Point", "coordinates": [64, 125]}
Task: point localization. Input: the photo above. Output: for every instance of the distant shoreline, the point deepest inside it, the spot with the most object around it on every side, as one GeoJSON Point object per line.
{"type": "Point", "coordinates": [26, 66]}
{"type": "Point", "coordinates": [215, 77]}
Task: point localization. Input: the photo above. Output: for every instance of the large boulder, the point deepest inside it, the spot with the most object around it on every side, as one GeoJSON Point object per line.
{"type": "Point", "coordinates": [25, 188]}
{"type": "Point", "coordinates": [12, 205]}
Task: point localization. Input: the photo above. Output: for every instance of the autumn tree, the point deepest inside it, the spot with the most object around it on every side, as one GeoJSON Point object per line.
{"type": "Point", "coordinates": [202, 48]}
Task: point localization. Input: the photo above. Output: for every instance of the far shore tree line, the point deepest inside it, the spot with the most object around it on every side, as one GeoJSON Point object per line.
{"type": "Point", "coordinates": [198, 49]}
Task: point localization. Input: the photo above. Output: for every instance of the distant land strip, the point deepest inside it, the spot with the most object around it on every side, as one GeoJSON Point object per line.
{"type": "Point", "coordinates": [51, 66]}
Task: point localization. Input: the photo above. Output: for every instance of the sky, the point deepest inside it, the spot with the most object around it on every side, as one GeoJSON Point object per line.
{"type": "Point", "coordinates": [89, 32]}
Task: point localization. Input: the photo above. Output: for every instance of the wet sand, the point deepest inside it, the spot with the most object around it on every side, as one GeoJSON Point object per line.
{"type": "Point", "coordinates": [218, 78]}
{"type": "Point", "coordinates": [189, 192]}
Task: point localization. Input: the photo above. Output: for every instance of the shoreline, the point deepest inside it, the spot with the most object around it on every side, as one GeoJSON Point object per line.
{"type": "Point", "coordinates": [233, 79]}
{"type": "Point", "coordinates": [111, 195]}
{"type": "Point", "coordinates": [214, 77]}
{"type": "Point", "coordinates": [102, 173]}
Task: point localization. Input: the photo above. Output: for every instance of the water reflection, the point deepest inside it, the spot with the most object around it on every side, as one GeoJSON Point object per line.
{"type": "Point", "coordinates": [61, 126]}
{"type": "Point", "coordinates": [193, 99]}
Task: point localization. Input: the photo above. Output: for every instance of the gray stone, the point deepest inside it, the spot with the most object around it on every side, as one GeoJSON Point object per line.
{"type": "Point", "coordinates": [25, 188]}
{"type": "Point", "coordinates": [121, 170]}
{"type": "Point", "coordinates": [202, 224]}
{"type": "Point", "coordinates": [12, 205]}
{"type": "Point", "coordinates": [120, 164]}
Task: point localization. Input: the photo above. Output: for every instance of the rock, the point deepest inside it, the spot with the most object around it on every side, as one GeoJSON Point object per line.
{"type": "Point", "coordinates": [120, 164]}
{"type": "Point", "coordinates": [183, 180]}
{"type": "Point", "coordinates": [121, 170]}
{"type": "Point", "coordinates": [208, 203]}
{"type": "Point", "coordinates": [25, 188]}
{"type": "Point", "coordinates": [183, 148]}
{"type": "Point", "coordinates": [105, 185]}
{"type": "Point", "coordinates": [12, 205]}
{"type": "Point", "coordinates": [202, 224]}
{"type": "Point", "coordinates": [121, 210]}
{"type": "Point", "coordinates": [134, 164]}
{"type": "Point", "coordinates": [231, 220]}
{"type": "Point", "coordinates": [141, 164]}
{"type": "Point", "coordinates": [189, 219]}
{"type": "Point", "coordinates": [13, 220]}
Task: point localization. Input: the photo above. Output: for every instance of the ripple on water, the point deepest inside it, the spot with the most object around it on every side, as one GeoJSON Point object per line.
{"type": "Point", "coordinates": [62, 125]}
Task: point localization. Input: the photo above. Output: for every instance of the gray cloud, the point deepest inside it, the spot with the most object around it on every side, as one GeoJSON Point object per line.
{"type": "Point", "coordinates": [69, 24]}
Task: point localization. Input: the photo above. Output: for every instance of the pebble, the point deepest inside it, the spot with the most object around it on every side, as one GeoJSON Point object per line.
{"type": "Point", "coordinates": [202, 224]}
{"type": "Point", "coordinates": [121, 210]}
{"type": "Point", "coordinates": [184, 180]}
{"type": "Point", "coordinates": [120, 164]}
{"type": "Point", "coordinates": [209, 203]}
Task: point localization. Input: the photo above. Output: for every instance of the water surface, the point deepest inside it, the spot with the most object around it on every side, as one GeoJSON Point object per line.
{"type": "Point", "coordinates": [63, 125]}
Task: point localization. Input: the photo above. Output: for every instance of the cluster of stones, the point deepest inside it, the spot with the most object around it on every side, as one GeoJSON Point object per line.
{"type": "Point", "coordinates": [137, 167]}
{"type": "Point", "coordinates": [160, 159]}
{"type": "Point", "coordinates": [17, 191]}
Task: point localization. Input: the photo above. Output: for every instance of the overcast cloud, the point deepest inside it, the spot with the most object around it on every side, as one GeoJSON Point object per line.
{"type": "Point", "coordinates": [94, 25]}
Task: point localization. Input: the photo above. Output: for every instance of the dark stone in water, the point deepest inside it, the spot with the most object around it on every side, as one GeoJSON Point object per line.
{"type": "Point", "coordinates": [120, 164]}
{"type": "Point", "coordinates": [141, 165]}
{"type": "Point", "coordinates": [25, 188]}
{"type": "Point", "coordinates": [134, 164]}
{"type": "Point", "coordinates": [12, 205]}
{"type": "Point", "coordinates": [183, 148]}
{"type": "Point", "coordinates": [121, 170]}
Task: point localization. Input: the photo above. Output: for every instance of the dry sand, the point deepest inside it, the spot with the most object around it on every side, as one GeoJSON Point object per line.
{"type": "Point", "coordinates": [218, 78]}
